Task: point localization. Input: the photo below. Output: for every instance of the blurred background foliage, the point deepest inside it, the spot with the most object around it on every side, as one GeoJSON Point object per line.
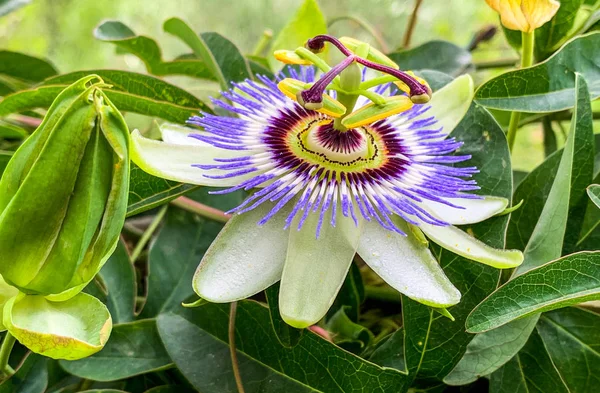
{"type": "Point", "coordinates": [62, 31]}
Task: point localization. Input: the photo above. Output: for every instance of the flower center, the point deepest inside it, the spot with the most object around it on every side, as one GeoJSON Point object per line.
{"type": "Point", "coordinates": [316, 141]}
{"type": "Point", "coordinates": [340, 146]}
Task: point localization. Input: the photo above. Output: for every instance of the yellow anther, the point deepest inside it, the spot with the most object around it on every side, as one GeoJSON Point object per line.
{"type": "Point", "coordinates": [372, 112]}
{"type": "Point", "coordinates": [374, 54]}
{"type": "Point", "coordinates": [404, 87]}
{"type": "Point", "coordinates": [293, 87]}
{"type": "Point", "coordinates": [290, 57]}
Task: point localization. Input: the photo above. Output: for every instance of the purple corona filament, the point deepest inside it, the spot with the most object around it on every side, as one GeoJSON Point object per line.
{"type": "Point", "coordinates": [299, 163]}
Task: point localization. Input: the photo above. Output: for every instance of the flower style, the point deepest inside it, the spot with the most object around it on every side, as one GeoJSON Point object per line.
{"type": "Point", "coordinates": [524, 15]}
{"type": "Point", "coordinates": [330, 181]}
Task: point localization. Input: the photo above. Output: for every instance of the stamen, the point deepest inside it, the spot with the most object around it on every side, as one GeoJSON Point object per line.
{"type": "Point", "coordinates": [419, 93]}
{"type": "Point", "coordinates": [313, 98]}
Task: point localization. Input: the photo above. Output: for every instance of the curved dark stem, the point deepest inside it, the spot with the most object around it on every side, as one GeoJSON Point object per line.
{"type": "Point", "coordinates": [234, 360]}
{"type": "Point", "coordinates": [416, 88]}
{"type": "Point", "coordinates": [317, 43]}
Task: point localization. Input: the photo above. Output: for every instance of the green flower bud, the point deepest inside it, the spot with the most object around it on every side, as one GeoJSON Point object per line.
{"type": "Point", "coordinates": [63, 195]}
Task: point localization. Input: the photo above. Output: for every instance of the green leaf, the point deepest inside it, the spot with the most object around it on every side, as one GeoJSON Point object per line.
{"type": "Point", "coordinates": [24, 67]}
{"type": "Point", "coordinates": [533, 190]}
{"type": "Point", "coordinates": [347, 334]}
{"type": "Point", "coordinates": [31, 377]}
{"type": "Point", "coordinates": [570, 280]}
{"type": "Point", "coordinates": [532, 90]}
{"type": "Point", "coordinates": [390, 352]}
{"type": "Point", "coordinates": [440, 56]}
{"type": "Point", "coordinates": [149, 52]}
{"type": "Point", "coordinates": [71, 329]}
{"type": "Point", "coordinates": [566, 199]}
{"type": "Point", "coordinates": [550, 36]}
{"type": "Point", "coordinates": [287, 335]}
{"type": "Point", "coordinates": [147, 192]}
{"type": "Point", "coordinates": [6, 293]}
{"type": "Point", "coordinates": [433, 343]}
{"type": "Point", "coordinates": [488, 352]}
{"type": "Point", "coordinates": [130, 92]}
{"type": "Point", "coordinates": [492, 349]}
{"type": "Point", "coordinates": [8, 6]}
{"type": "Point", "coordinates": [4, 159]}
{"type": "Point", "coordinates": [174, 256]}
{"type": "Point", "coordinates": [531, 369]}
{"type": "Point", "coordinates": [229, 59]}
{"type": "Point", "coordinates": [196, 339]}
{"type": "Point", "coordinates": [10, 131]}
{"type": "Point", "coordinates": [561, 356]}
{"type": "Point", "coordinates": [308, 21]}
{"type": "Point", "coordinates": [351, 295]}
{"type": "Point", "coordinates": [220, 55]}
{"type": "Point", "coordinates": [571, 338]}
{"type": "Point", "coordinates": [134, 348]}
{"type": "Point", "coordinates": [593, 192]}
{"type": "Point", "coordinates": [119, 276]}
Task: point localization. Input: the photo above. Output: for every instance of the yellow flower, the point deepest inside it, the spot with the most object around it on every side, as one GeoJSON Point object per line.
{"type": "Point", "coordinates": [524, 15]}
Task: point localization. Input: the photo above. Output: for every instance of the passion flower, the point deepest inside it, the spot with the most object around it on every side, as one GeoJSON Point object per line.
{"type": "Point", "coordinates": [340, 165]}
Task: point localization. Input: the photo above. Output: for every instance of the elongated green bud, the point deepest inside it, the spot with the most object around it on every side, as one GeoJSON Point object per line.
{"type": "Point", "coordinates": [63, 195]}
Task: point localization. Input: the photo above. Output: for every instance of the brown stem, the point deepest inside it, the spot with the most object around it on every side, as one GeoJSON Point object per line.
{"type": "Point", "coordinates": [201, 209]}
{"type": "Point", "coordinates": [412, 22]}
{"type": "Point", "coordinates": [234, 360]}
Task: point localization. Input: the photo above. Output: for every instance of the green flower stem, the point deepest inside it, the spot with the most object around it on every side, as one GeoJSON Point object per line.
{"type": "Point", "coordinates": [5, 350]}
{"type": "Point", "coordinates": [200, 209]}
{"type": "Point", "coordinates": [234, 360]}
{"type": "Point", "coordinates": [380, 80]}
{"type": "Point", "coordinates": [313, 58]}
{"type": "Point", "coordinates": [526, 61]}
{"type": "Point", "coordinates": [382, 293]}
{"type": "Point", "coordinates": [262, 44]}
{"type": "Point", "coordinates": [139, 247]}
{"type": "Point", "coordinates": [500, 63]}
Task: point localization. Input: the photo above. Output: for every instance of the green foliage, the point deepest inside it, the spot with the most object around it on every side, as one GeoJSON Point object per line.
{"type": "Point", "coordinates": [308, 22]}
{"type": "Point", "coordinates": [149, 52]}
{"type": "Point", "coordinates": [567, 281]}
{"type": "Point", "coordinates": [449, 58]}
{"type": "Point", "coordinates": [548, 86]}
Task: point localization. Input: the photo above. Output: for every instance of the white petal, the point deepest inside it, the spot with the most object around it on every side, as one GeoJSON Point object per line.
{"type": "Point", "coordinates": [474, 210]}
{"type": "Point", "coordinates": [245, 258]}
{"type": "Point", "coordinates": [174, 161]}
{"type": "Point", "coordinates": [180, 135]}
{"type": "Point", "coordinates": [450, 104]}
{"type": "Point", "coordinates": [460, 243]}
{"type": "Point", "coordinates": [407, 265]}
{"type": "Point", "coordinates": [315, 269]}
